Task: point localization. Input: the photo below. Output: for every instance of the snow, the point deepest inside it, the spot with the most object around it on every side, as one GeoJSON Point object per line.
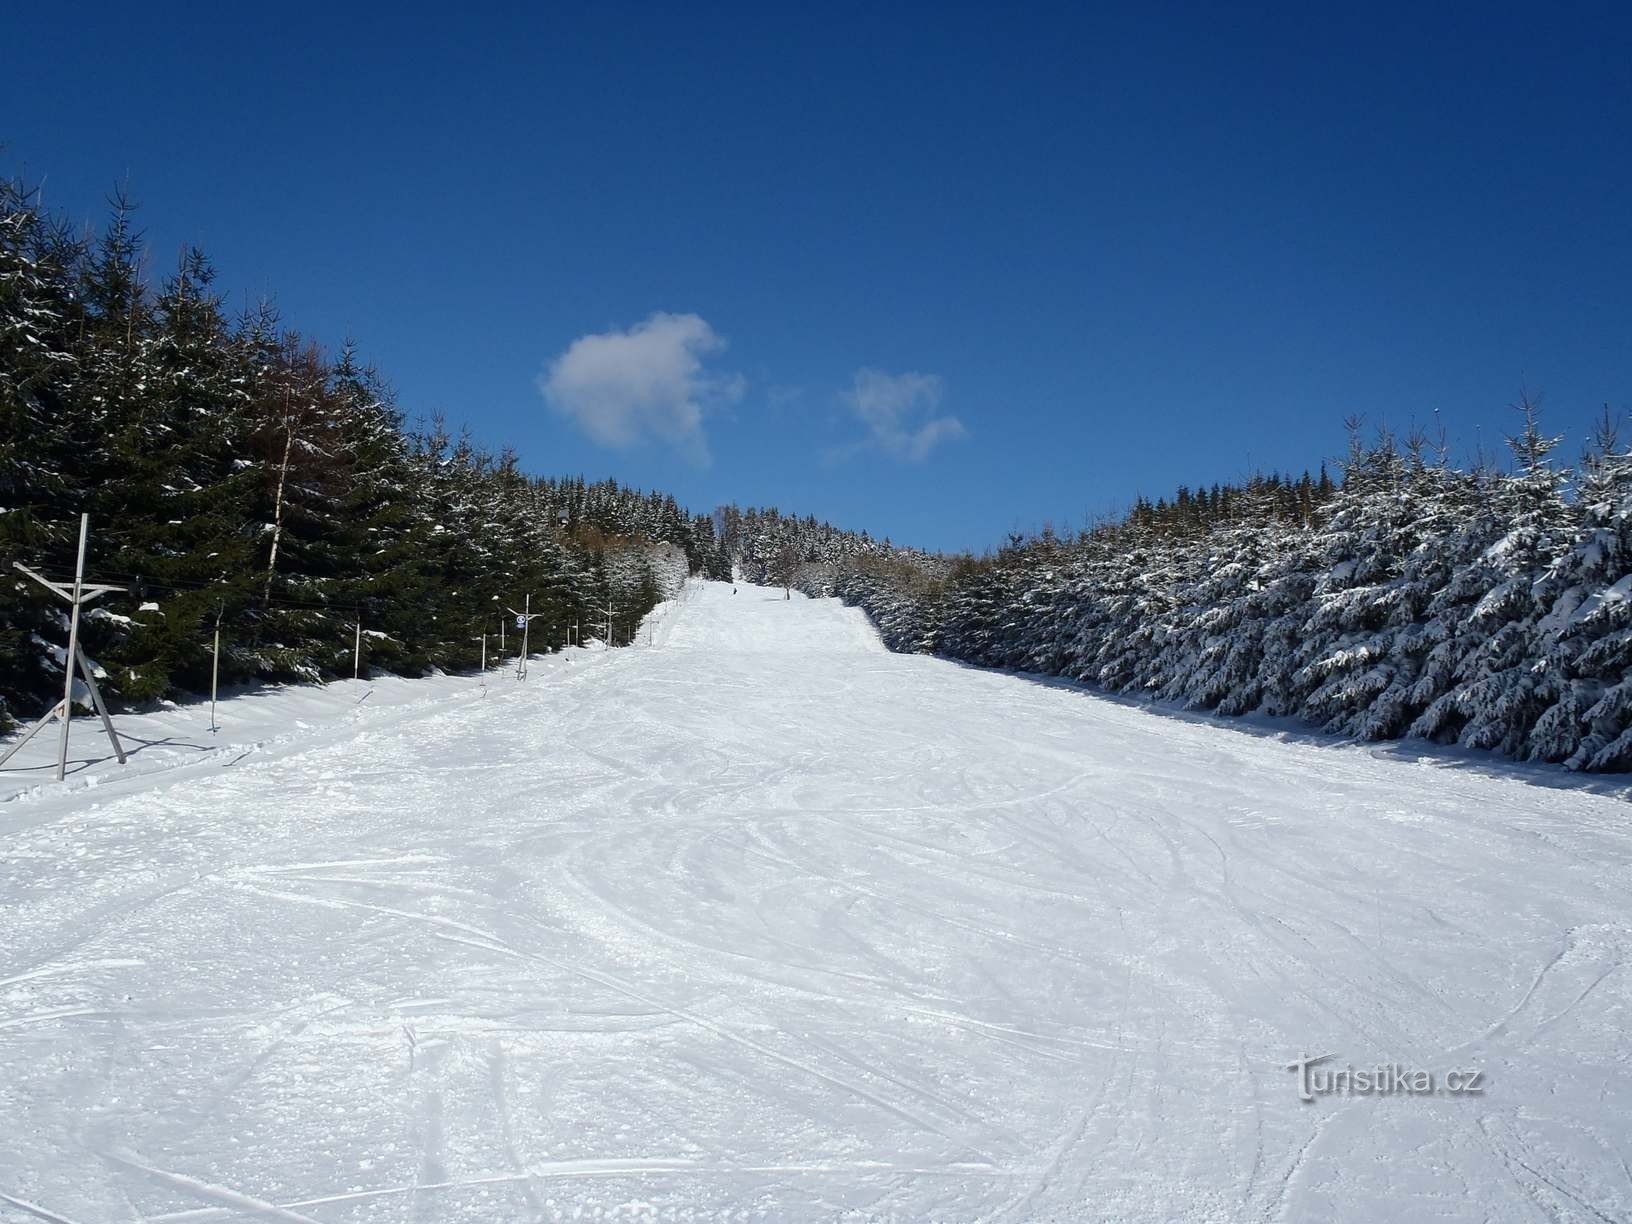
{"type": "Point", "coordinates": [759, 921]}
{"type": "Point", "coordinates": [1617, 592]}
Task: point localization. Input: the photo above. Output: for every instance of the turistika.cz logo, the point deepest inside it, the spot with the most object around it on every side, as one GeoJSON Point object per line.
{"type": "Point", "coordinates": [1389, 1079]}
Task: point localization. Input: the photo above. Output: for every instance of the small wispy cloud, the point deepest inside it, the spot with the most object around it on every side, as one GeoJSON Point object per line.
{"type": "Point", "coordinates": [898, 411]}
{"type": "Point", "coordinates": [646, 383]}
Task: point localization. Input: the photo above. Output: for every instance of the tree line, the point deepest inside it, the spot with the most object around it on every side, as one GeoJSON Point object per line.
{"type": "Point", "coordinates": [236, 471]}
{"type": "Point", "coordinates": [1483, 606]}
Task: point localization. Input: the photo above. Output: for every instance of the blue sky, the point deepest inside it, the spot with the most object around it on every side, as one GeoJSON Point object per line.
{"type": "Point", "coordinates": [937, 272]}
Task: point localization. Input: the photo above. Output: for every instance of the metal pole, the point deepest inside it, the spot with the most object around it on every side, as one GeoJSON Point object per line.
{"type": "Point", "coordinates": [484, 655]}
{"type": "Point", "coordinates": [526, 626]}
{"type": "Point", "coordinates": [357, 651]}
{"type": "Point", "coordinates": [73, 649]}
{"type": "Point", "coordinates": [215, 672]}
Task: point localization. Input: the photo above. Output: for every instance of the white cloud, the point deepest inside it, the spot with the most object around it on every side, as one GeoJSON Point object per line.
{"type": "Point", "coordinates": [623, 388]}
{"type": "Point", "coordinates": [898, 411]}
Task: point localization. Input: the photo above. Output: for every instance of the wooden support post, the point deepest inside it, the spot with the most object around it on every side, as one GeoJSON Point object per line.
{"type": "Point", "coordinates": [526, 626]}
{"type": "Point", "coordinates": [101, 706]}
{"type": "Point", "coordinates": [76, 596]}
{"type": "Point", "coordinates": [215, 670]}
{"type": "Point", "coordinates": [73, 650]}
{"type": "Point", "coordinates": [524, 618]}
{"type": "Point", "coordinates": [31, 732]}
{"type": "Point", "coordinates": [609, 610]}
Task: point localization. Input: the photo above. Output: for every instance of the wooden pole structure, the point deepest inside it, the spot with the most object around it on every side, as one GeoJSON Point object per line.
{"type": "Point", "coordinates": [609, 610]}
{"type": "Point", "coordinates": [524, 618]}
{"type": "Point", "coordinates": [526, 625]}
{"type": "Point", "coordinates": [76, 596]}
{"type": "Point", "coordinates": [215, 669]}
{"type": "Point", "coordinates": [73, 648]}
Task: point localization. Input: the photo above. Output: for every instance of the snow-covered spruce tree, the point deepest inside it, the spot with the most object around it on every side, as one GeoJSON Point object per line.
{"type": "Point", "coordinates": [183, 502]}
{"type": "Point", "coordinates": [1231, 647]}
{"type": "Point", "coordinates": [111, 415]}
{"type": "Point", "coordinates": [1510, 683]}
{"type": "Point", "coordinates": [977, 606]}
{"type": "Point", "coordinates": [703, 550]}
{"type": "Point", "coordinates": [1588, 628]}
{"type": "Point", "coordinates": [1380, 545]}
{"type": "Point", "coordinates": [901, 598]}
{"type": "Point", "coordinates": [378, 532]}
{"type": "Point", "coordinates": [237, 471]}
{"type": "Point", "coordinates": [458, 568]}
{"type": "Point", "coordinates": [1499, 685]}
{"type": "Point", "coordinates": [1481, 607]}
{"type": "Point", "coordinates": [1038, 605]}
{"type": "Point", "coordinates": [39, 486]}
{"type": "Point", "coordinates": [300, 628]}
{"type": "Point", "coordinates": [755, 541]}
{"type": "Point", "coordinates": [1121, 592]}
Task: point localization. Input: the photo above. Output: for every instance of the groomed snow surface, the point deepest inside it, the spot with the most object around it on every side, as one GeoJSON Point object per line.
{"type": "Point", "coordinates": [758, 921]}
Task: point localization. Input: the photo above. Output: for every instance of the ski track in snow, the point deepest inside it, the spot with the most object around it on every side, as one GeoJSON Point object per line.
{"type": "Point", "coordinates": [759, 921]}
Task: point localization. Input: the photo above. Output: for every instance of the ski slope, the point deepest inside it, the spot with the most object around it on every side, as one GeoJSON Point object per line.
{"type": "Point", "coordinates": [759, 922]}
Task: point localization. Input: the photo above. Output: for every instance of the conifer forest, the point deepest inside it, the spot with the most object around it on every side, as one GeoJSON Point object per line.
{"type": "Point", "coordinates": [240, 472]}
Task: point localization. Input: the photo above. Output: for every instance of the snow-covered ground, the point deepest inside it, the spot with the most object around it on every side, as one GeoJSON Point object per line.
{"type": "Point", "coordinates": [761, 922]}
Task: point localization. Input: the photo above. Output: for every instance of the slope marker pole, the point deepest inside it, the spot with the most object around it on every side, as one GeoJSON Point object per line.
{"type": "Point", "coordinates": [215, 668]}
